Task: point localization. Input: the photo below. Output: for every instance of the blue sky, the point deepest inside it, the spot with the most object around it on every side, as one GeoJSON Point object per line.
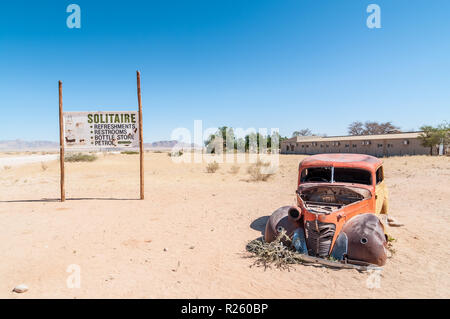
{"type": "Point", "coordinates": [248, 63]}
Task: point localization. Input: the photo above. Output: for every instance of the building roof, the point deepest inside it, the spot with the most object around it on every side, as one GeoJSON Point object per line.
{"type": "Point", "coordinates": [308, 139]}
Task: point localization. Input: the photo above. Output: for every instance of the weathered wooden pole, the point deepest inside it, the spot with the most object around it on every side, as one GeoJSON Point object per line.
{"type": "Point", "coordinates": [141, 142]}
{"type": "Point", "coordinates": [61, 143]}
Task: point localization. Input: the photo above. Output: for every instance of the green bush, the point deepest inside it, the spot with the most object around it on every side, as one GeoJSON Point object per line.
{"type": "Point", "coordinates": [175, 154]}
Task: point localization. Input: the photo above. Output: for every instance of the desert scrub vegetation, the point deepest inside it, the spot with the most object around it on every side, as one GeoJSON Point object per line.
{"type": "Point", "coordinates": [175, 154]}
{"type": "Point", "coordinates": [278, 252]}
{"type": "Point", "coordinates": [6, 167]}
{"type": "Point", "coordinates": [212, 167]}
{"type": "Point", "coordinates": [256, 171]}
{"type": "Point", "coordinates": [390, 244]}
{"type": "Point", "coordinates": [43, 166]}
{"type": "Point", "coordinates": [234, 169]}
{"type": "Point", "coordinates": [80, 157]}
{"type": "Point", "coordinates": [129, 152]}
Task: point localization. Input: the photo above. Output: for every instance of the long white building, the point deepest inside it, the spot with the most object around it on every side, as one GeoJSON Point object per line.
{"type": "Point", "coordinates": [381, 145]}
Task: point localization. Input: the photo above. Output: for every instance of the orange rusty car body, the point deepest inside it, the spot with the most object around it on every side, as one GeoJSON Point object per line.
{"type": "Point", "coordinates": [339, 199]}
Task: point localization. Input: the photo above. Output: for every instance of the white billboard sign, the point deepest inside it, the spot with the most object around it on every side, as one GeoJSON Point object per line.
{"type": "Point", "coordinates": [101, 129]}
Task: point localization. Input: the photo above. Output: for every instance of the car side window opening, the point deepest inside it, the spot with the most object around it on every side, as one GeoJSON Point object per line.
{"type": "Point", "coordinates": [336, 174]}
{"type": "Point", "coordinates": [379, 174]}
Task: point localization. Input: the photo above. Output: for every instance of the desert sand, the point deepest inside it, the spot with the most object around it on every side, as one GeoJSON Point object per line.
{"type": "Point", "coordinates": [187, 238]}
{"type": "Point", "coordinates": [9, 160]}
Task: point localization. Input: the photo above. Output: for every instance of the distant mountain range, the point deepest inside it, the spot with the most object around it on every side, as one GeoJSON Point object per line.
{"type": "Point", "coordinates": [168, 145]}
{"type": "Point", "coordinates": [20, 145]}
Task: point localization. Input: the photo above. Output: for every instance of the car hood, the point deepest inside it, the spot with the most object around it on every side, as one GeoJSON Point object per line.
{"type": "Point", "coordinates": [349, 185]}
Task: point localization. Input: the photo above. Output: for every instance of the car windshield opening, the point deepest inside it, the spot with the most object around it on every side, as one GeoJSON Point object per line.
{"type": "Point", "coordinates": [336, 175]}
{"type": "Point", "coordinates": [352, 175]}
{"type": "Point", "coordinates": [316, 174]}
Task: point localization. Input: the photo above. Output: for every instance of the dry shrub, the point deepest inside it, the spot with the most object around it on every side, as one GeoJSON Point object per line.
{"type": "Point", "coordinates": [129, 152]}
{"type": "Point", "coordinates": [175, 154]}
{"type": "Point", "coordinates": [234, 169]}
{"type": "Point", "coordinates": [79, 157]}
{"type": "Point", "coordinates": [43, 166]}
{"type": "Point", "coordinates": [390, 244]}
{"type": "Point", "coordinates": [6, 167]}
{"type": "Point", "coordinates": [212, 167]}
{"type": "Point", "coordinates": [278, 252]}
{"type": "Point", "coordinates": [256, 171]}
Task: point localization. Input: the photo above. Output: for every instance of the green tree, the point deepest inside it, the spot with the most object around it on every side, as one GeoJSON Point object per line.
{"type": "Point", "coordinates": [356, 128]}
{"type": "Point", "coordinates": [444, 130]}
{"type": "Point", "coordinates": [444, 134]}
{"type": "Point", "coordinates": [223, 135]}
{"type": "Point", "coordinates": [430, 137]}
{"type": "Point", "coordinates": [276, 139]}
{"type": "Point", "coordinates": [372, 128]}
{"type": "Point", "coordinates": [303, 132]}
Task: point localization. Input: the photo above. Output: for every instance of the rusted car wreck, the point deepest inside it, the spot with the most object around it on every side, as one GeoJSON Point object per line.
{"type": "Point", "coordinates": [339, 200]}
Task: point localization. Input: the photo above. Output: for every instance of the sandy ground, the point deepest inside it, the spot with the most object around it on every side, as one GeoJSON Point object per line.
{"type": "Point", "coordinates": [26, 159]}
{"type": "Point", "coordinates": [187, 238]}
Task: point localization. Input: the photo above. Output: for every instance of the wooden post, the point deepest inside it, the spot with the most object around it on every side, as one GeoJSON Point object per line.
{"type": "Point", "coordinates": [61, 143]}
{"type": "Point", "coordinates": [141, 142]}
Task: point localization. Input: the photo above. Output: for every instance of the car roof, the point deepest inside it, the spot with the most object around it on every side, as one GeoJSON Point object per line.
{"type": "Point", "coordinates": [343, 160]}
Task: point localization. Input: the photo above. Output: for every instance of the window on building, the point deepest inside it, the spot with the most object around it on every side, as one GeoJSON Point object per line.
{"type": "Point", "coordinates": [379, 145]}
{"type": "Point", "coordinates": [406, 142]}
{"type": "Point", "coordinates": [354, 145]}
{"type": "Point", "coordinates": [347, 145]}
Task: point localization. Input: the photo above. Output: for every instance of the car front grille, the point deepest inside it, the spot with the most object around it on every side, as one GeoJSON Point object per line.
{"type": "Point", "coordinates": [319, 237]}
